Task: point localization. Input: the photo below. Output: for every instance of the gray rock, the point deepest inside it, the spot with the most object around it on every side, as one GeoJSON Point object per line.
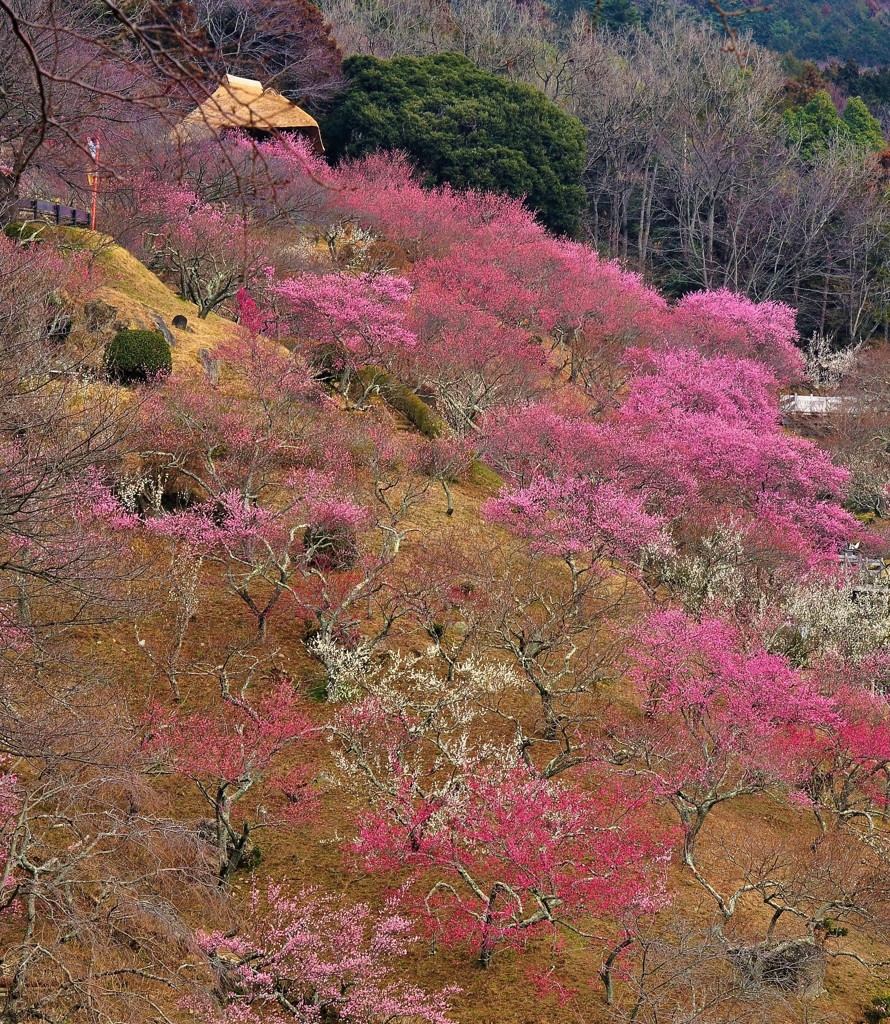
{"type": "Point", "coordinates": [99, 315]}
{"type": "Point", "coordinates": [164, 329]}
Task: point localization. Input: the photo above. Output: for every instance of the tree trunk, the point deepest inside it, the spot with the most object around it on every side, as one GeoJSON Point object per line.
{"type": "Point", "coordinates": [486, 949]}
{"type": "Point", "coordinates": [606, 972]}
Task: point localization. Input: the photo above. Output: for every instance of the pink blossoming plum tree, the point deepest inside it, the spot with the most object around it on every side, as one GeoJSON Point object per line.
{"type": "Point", "coordinates": [305, 959]}
{"type": "Point", "coordinates": [471, 359]}
{"type": "Point", "coordinates": [699, 435]}
{"type": "Point", "coordinates": [497, 851]}
{"type": "Point", "coordinates": [523, 854]}
{"type": "Point", "coordinates": [210, 250]}
{"type": "Point", "coordinates": [351, 321]}
{"type": "Point", "coordinates": [720, 722]}
{"type": "Point", "coordinates": [722, 322]}
{"type": "Point", "coordinates": [539, 440]}
{"type": "Point", "coordinates": [230, 752]}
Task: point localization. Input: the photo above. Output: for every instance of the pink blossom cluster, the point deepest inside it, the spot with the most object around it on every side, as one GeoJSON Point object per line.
{"type": "Point", "coordinates": [724, 716]}
{"type": "Point", "coordinates": [523, 853]}
{"type": "Point", "coordinates": [301, 957]}
{"type": "Point", "coordinates": [722, 322]}
{"type": "Point", "coordinates": [685, 397]}
{"type": "Point", "coordinates": [226, 522]}
{"type": "Point", "coordinates": [576, 515]}
{"type": "Point", "coordinates": [237, 745]}
{"type": "Point", "coordinates": [362, 315]}
{"type": "Point", "coordinates": [10, 807]}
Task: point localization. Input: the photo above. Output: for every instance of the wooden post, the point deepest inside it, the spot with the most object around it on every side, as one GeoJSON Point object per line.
{"type": "Point", "coordinates": [93, 146]}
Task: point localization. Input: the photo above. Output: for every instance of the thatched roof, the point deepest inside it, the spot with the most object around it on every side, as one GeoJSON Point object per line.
{"type": "Point", "coordinates": [243, 104]}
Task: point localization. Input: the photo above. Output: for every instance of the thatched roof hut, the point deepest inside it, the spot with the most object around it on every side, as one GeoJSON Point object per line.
{"type": "Point", "coordinates": [243, 105]}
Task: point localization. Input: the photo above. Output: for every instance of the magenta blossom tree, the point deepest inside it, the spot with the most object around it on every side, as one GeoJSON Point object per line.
{"type": "Point", "coordinates": [539, 440]}
{"type": "Point", "coordinates": [230, 752]}
{"type": "Point", "coordinates": [723, 322]}
{"type": "Point", "coordinates": [700, 437]}
{"type": "Point", "coordinates": [847, 766]}
{"type": "Point", "coordinates": [472, 359]}
{"type": "Point", "coordinates": [352, 321]}
{"type": "Point", "coordinates": [522, 854]}
{"type": "Point", "coordinates": [497, 852]}
{"type": "Point", "coordinates": [576, 516]}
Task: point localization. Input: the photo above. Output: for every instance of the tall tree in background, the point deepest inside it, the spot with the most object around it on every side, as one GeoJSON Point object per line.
{"type": "Point", "coordinates": [464, 126]}
{"type": "Point", "coordinates": [286, 44]}
{"type": "Point", "coordinates": [818, 125]}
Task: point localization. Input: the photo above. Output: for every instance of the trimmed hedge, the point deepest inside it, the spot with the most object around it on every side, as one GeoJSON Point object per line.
{"type": "Point", "coordinates": [401, 398]}
{"type": "Point", "coordinates": [24, 232]}
{"type": "Point", "coordinates": [137, 355]}
{"type": "Point", "coordinates": [485, 476]}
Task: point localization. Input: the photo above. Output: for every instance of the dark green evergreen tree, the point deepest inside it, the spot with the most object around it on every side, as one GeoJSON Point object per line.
{"type": "Point", "coordinates": [863, 129]}
{"type": "Point", "coordinates": [466, 126]}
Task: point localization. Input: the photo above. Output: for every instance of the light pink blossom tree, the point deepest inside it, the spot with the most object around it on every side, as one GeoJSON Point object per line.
{"type": "Point", "coordinates": [211, 250]}
{"type": "Point", "coordinates": [304, 958]}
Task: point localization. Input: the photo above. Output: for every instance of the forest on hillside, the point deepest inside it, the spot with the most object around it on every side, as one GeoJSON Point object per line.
{"type": "Point", "coordinates": [444, 573]}
{"type": "Point", "coordinates": [820, 31]}
{"type": "Point", "coordinates": [698, 172]}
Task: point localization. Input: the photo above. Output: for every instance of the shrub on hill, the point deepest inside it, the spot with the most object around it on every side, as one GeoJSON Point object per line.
{"type": "Point", "coordinates": [466, 126]}
{"type": "Point", "coordinates": [401, 398]}
{"type": "Point", "coordinates": [136, 355]}
{"type": "Point", "coordinates": [24, 232]}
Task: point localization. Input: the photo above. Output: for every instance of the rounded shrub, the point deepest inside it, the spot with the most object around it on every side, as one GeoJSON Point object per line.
{"type": "Point", "coordinates": [462, 124]}
{"type": "Point", "coordinates": [137, 355]}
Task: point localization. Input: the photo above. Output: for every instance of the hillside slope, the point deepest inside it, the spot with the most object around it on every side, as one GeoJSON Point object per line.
{"type": "Point", "coordinates": [317, 852]}
{"type": "Point", "coordinates": [810, 29]}
{"type": "Point", "coordinates": [820, 31]}
{"type": "Point", "coordinates": [524, 686]}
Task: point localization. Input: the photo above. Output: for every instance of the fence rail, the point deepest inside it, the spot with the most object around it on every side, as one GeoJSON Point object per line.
{"type": "Point", "coordinates": [55, 213]}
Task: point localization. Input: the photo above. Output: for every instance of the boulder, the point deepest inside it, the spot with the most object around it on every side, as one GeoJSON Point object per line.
{"type": "Point", "coordinates": [161, 325]}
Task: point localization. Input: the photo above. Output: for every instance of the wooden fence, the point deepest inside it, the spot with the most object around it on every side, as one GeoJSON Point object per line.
{"type": "Point", "coordinates": [53, 213]}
